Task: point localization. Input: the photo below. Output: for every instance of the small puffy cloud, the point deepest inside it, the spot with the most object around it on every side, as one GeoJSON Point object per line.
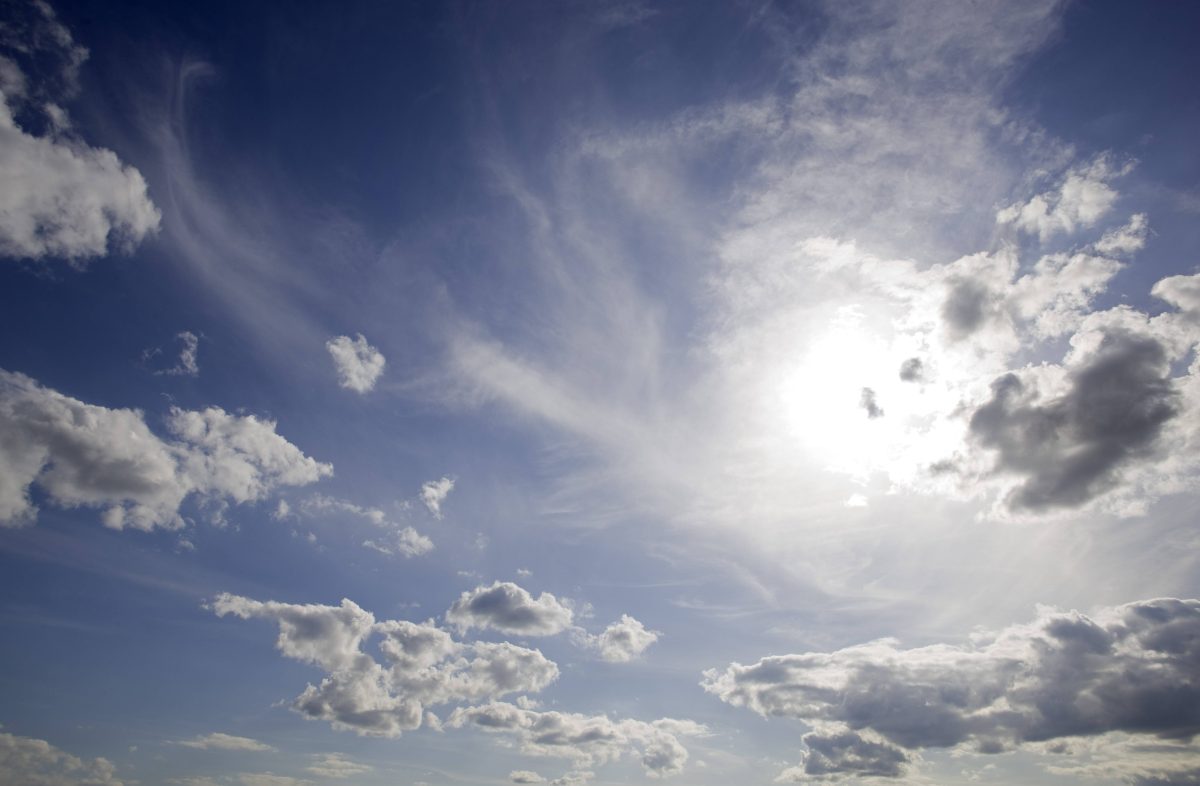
{"type": "Point", "coordinates": [359, 365]}
{"type": "Point", "coordinates": [870, 404]}
{"type": "Point", "coordinates": [1082, 199]}
{"type": "Point", "coordinates": [525, 776]}
{"type": "Point", "coordinates": [405, 541]}
{"type": "Point", "coordinates": [1133, 669]}
{"type": "Point", "coordinates": [421, 666]}
{"type": "Point", "coordinates": [61, 197]}
{"type": "Point", "coordinates": [335, 766]}
{"type": "Point", "coordinates": [622, 641]}
{"type": "Point", "coordinates": [912, 370]}
{"type": "Point", "coordinates": [186, 365]}
{"type": "Point", "coordinates": [225, 742]}
{"type": "Point", "coordinates": [434, 493]}
{"type": "Point", "coordinates": [1183, 292]}
{"type": "Point", "coordinates": [846, 754]}
{"type": "Point", "coordinates": [584, 739]}
{"type": "Point", "coordinates": [509, 608]}
{"type": "Point", "coordinates": [25, 761]}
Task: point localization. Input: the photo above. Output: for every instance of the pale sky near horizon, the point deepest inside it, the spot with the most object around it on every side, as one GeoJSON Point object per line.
{"type": "Point", "coordinates": [599, 391]}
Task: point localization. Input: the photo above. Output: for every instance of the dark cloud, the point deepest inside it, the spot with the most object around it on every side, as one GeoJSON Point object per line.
{"type": "Point", "coordinates": [912, 370]}
{"type": "Point", "coordinates": [868, 402]}
{"type": "Point", "coordinates": [965, 308]}
{"type": "Point", "coordinates": [1070, 450]}
{"type": "Point", "coordinates": [848, 752]}
{"type": "Point", "coordinates": [1132, 669]}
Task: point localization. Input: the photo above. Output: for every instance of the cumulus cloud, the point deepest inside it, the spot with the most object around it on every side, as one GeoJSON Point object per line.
{"type": "Point", "coordinates": [622, 641]}
{"type": "Point", "coordinates": [359, 365]}
{"type": "Point", "coordinates": [421, 665]}
{"type": "Point", "coordinates": [62, 197]}
{"type": "Point", "coordinates": [509, 608]}
{"type": "Point", "coordinates": [25, 761]}
{"type": "Point", "coordinates": [1132, 669]}
{"type": "Point", "coordinates": [584, 739]}
{"type": "Point", "coordinates": [912, 370]}
{"type": "Point", "coordinates": [225, 742]}
{"type": "Point", "coordinates": [434, 493]}
{"type": "Point", "coordinates": [846, 753]}
{"type": "Point", "coordinates": [1082, 199]}
{"type": "Point", "coordinates": [1071, 449]}
{"type": "Point", "coordinates": [81, 454]}
{"type": "Point", "coordinates": [525, 776]}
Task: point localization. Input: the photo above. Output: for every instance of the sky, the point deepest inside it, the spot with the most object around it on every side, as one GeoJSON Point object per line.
{"type": "Point", "coordinates": [599, 392]}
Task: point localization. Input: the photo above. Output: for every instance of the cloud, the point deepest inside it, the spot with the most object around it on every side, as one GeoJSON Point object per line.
{"type": "Point", "coordinates": [912, 370]}
{"type": "Point", "coordinates": [846, 754]}
{"type": "Point", "coordinates": [1082, 199]}
{"type": "Point", "coordinates": [868, 402]}
{"type": "Point", "coordinates": [62, 197]}
{"type": "Point", "coordinates": [1125, 240]}
{"type": "Point", "coordinates": [359, 365]}
{"type": "Point", "coordinates": [187, 365]}
{"type": "Point", "coordinates": [421, 666]}
{"type": "Point", "coordinates": [622, 641]}
{"type": "Point", "coordinates": [584, 739]}
{"type": "Point", "coordinates": [508, 608]}
{"type": "Point", "coordinates": [525, 776]}
{"type": "Point", "coordinates": [270, 779]}
{"type": "Point", "coordinates": [1069, 450]}
{"type": "Point", "coordinates": [86, 455]}
{"type": "Point", "coordinates": [434, 493]}
{"type": "Point", "coordinates": [335, 766]}
{"type": "Point", "coordinates": [25, 761]}
{"type": "Point", "coordinates": [396, 539]}
{"type": "Point", "coordinates": [225, 742]}
{"type": "Point", "coordinates": [1132, 668]}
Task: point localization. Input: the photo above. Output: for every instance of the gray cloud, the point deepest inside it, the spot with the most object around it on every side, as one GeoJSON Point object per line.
{"type": "Point", "coordinates": [1071, 449]}
{"type": "Point", "coordinates": [966, 307]}
{"type": "Point", "coordinates": [870, 404]}
{"type": "Point", "coordinates": [622, 641]}
{"type": "Point", "coordinates": [847, 754]}
{"type": "Point", "coordinates": [509, 608]}
{"type": "Point", "coordinates": [421, 665]}
{"type": "Point", "coordinates": [1132, 669]}
{"type": "Point", "coordinates": [912, 370]}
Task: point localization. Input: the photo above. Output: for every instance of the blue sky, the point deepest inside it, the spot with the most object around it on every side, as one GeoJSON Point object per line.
{"type": "Point", "coordinates": [599, 392]}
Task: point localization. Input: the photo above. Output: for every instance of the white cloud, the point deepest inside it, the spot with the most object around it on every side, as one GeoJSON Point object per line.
{"type": "Point", "coordinates": [225, 742]}
{"type": "Point", "coordinates": [63, 198]}
{"type": "Point", "coordinates": [434, 493]}
{"type": "Point", "coordinates": [85, 455]}
{"type": "Point", "coordinates": [405, 541]}
{"type": "Point", "coordinates": [358, 364]}
{"type": "Point", "coordinates": [1065, 675]}
{"type": "Point", "coordinates": [336, 766]}
{"type": "Point", "coordinates": [622, 641]}
{"type": "Point", "coordinates": [509, 608]}
{"type": "Point", "coordinates": [25, 761]}
{"type": "Point", "coordinates": [1082, 199]}
{"type": "Point", "coordinates": [1125, 240]}
{"type": "Point", "coordinates": [187, 365]}
{"type": "Point", "coordinates": [584, 739]}
{"type": "Point", "coordinates": [422, 665]}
